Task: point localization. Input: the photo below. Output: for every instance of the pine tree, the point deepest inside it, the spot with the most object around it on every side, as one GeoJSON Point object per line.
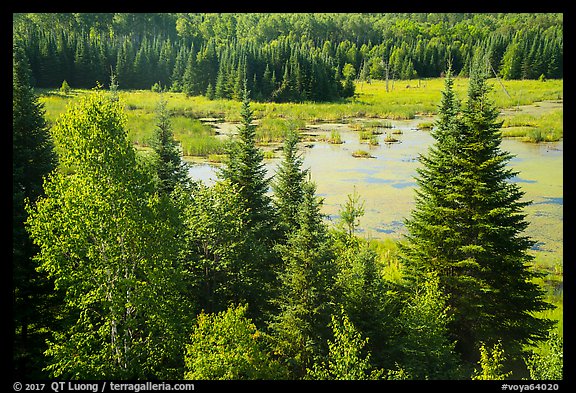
{"type": "Point", "coordinates": [170, 168]}
{"type": "Point", "coordinates": [33, 158]}
{"type": "Point", "coordinates": [305, 298]}
{"type": "Point", "coordinates": [245, 170]}
{"type": "Point", "coordinates": [288, 184]}
{"type": "Point", "coordinates": [468, 228]}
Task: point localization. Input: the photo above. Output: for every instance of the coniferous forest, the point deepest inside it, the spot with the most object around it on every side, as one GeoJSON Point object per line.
{"type": "Point", "coordinates": [126, 268]}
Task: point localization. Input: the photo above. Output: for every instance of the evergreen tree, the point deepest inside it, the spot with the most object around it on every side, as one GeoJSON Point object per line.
{"type": "Point", "coordinates": [33, 158]}
{"type": "Point", "coordinates": [305, 298]}
{"type": "Point", "coordinates": [245, 170]}
{"type": "Point", "coordinates": [288, 184]}
{"type": "Point", "coordinates": [468, 226]}
{"type": "Point", "coordinates": [360, 288]}
{"type": "Point", "coordinates": [170, 168]}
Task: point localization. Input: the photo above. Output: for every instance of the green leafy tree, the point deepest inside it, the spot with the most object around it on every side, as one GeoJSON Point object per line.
{"type": "Point", "coordinates": [468, 226]}
{"type": "Point", "coordinates": [33, 158]}
{"type": "Point", "coordinates": [351, 213]}
{"type": "Point", "coordinates": [349, 73]}
{"type": "Point", "coordinates": [216, 243]}
{"type": "Point", "coordinates": [427, 352]}
{"type": "Point", "coordinates": [228, 346]}
{"type": "Point", "coordinates": [548, 363]}
{"type": "Point", "coordinates": [110, 244]}
{"type": "Point", "coordinates": [491, 364]}
{"type": "Point", "coordinates": [346, 359]}
{"type": "Point", "coordinates": [171, 170]}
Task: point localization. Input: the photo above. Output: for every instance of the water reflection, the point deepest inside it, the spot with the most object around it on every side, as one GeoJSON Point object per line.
{"type": "Point", "coordinates": [386, 182]}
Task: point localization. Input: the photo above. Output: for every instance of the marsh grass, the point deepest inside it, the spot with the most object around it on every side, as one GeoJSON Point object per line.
{"type": "Point", "coordinates": [546, 127]}
{"type": "Point", "coordinates": [361, 154]}
{"type": "Point", "coordinates": [404, 100]}
{"type": "Point", "coordinates": [425, 125]}
{"type": "Point", "coordinates": [273, 129]}
{"type": "Point", "coordinates": [335, 138]}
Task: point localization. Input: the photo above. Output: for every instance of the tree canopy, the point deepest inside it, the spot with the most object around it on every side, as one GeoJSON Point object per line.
{"type": "Point", "coordinates": [282, 56]}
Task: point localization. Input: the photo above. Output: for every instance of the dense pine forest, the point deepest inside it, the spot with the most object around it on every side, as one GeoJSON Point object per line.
{"type": "Point", "coordinates": [283, 57]}
{"type": "Point", "coordinates": [126, 268]}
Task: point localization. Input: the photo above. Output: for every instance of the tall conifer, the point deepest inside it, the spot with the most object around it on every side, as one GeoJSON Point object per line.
{"type": "Point", "coordinates": [306, 295]}
{"type": "Point", "coordinates": [245, 170]}
{"type": "Point", "coordinates": [288, 183]}
{"type": "Point", "coordinates": [33, 158]}
{"type": "Point", "coordinates": [468, 228]}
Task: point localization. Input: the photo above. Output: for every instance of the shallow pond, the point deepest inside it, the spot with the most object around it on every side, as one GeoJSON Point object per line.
{"type": "Point", "coordinates": [386, 181]}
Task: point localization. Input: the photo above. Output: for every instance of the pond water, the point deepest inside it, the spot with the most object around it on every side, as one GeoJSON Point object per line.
{"type": "Point", "coordinates": [386, 182]}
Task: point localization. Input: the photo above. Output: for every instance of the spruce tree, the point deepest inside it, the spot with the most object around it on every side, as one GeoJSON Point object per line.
{"type": "Point", "coordinates": [468, 226]}
{"type": "Point", "coordinates": [33, 158]}
{"type": "Point", "coordinates": [170, 168]}
{"type": "Point", "coordinates": [288, 183]}
{"type": "Point", "coordinates": [245, 170]}
{"type": "Point", "coordinates": [306, 297]}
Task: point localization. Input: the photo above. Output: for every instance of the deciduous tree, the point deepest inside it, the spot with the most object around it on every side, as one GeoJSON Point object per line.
{"type": "Point", "coordinates": [110, 244]}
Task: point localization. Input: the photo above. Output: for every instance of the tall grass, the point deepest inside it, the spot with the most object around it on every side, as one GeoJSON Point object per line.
{"type": "Point", "coordinates": [272, 129]}
{"type": "Point", "coordinates": [546, 127]}
{"type": "Point", "coordinates": [404, 100]}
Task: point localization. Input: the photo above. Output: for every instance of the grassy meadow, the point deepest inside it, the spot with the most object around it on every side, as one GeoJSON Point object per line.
{"type": "Point", "coordinates": [403, 100]}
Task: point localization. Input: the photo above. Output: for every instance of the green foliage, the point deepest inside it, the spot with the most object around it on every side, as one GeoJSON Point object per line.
{"type": "Point", "coordinates": [244, 169]}
{"type": "Point", "coordinates": [156, 87]}
{"type": "Point", "coordinates": [548, 363]}
{"type": "Point", "coordinates": [306, 296]}
{"type": "Point", "coordinates": [227, 345]}
{"type": "Point", "coordinates": [351, 212]}
{"type": "Point", "coordinates": [170, 168]}
{"type": "Point", "coordinates": [65, 88]}
{"type": "Point", "coordinates": [288, 184]}
{"type": "Point", "coordinates": [108, 242]}
{"type": "Point", "coordinates": [467, 228]}
{"type": "Point", "coordinates": [345, 359]}
{"type": "Point", "coordinates": [491, 364]}
{"type": "Point", "coordinates": [128, 283]}
{"type": "Point", "coordinates": [33, 158]}
{"type": "Point", "coordinates": [335, 138]}
{"type": "Point", "coordinates": [368, 300]}
{"type": "Point", "coordinates": [427, 352]}
{"type": "Point", "coordinates": [284, 57]}
{"type": "Point", "coordinates": [216, 245]}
